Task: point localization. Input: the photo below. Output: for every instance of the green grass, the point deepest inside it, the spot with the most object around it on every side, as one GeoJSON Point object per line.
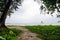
{"type": "Point", "coordinates": [9, 34]}
{"type": "Point", "coordinates": [46, 32]}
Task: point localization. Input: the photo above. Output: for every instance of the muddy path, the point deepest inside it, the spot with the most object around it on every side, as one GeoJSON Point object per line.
{"type": "Point", "coordinates": [26, 35]}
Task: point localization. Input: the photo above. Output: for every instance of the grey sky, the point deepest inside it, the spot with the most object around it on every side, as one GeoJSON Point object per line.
{"type": "Point", "coordinates": [29, 13]}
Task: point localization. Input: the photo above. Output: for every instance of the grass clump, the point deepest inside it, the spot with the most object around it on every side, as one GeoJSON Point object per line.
{"type": "Point", "coordinates": [46, 32]}
{"type": "Point", "coordinates": [8, 34]}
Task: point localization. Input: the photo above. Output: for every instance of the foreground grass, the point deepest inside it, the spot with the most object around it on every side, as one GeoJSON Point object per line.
{"type": "Point", "coordinates": [9, 34]}
{"type": "Point", "coordinates": [46, 32]}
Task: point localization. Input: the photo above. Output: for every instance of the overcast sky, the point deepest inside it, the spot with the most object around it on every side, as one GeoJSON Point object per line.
{"type": "Point", "coordinates": [29, 13]}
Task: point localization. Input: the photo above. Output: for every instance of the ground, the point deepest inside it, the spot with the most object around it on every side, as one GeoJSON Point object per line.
{"type": "Point", "coordinates": [26, 34]}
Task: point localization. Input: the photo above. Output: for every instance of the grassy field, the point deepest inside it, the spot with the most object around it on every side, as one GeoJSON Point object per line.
{"type": "Point", "coordinates": [9, 34]}
{"type": "Point", "coordinates": [46, 32]}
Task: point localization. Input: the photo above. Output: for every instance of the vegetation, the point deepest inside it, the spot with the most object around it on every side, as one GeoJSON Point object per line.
{"type": "Point", "coordinates": [51, 6]}
{"type": "Point", "coordinates": [9, 34]}
{"type": "Point", "coordinates": [46, 32]}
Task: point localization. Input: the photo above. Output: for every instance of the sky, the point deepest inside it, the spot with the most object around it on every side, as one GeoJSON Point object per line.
{"type": "Point", "coordinates": [29, 13]}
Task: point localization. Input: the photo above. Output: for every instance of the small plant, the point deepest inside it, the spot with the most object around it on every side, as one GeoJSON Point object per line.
{"type": "Point", "coordinates": [9, 34]}
{"type": "Point", "coordinates": [1, 38]}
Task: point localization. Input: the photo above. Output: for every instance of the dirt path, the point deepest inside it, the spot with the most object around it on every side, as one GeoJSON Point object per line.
{"type": "Point", "coordinates": [26, 35]}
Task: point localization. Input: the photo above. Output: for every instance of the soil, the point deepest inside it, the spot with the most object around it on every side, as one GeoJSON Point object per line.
{"type": "Point", "coordinates": [26, 34]}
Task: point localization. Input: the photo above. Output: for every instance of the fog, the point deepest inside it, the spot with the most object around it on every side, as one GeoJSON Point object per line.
{"type": "Point", "coordinates": [30, 13]}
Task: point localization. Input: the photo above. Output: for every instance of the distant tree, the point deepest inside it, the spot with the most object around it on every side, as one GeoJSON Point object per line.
{"type": "Point", "coordinates": [42, 22]}
{"type": "Point", "coordinates": [58, 21]}
{"type": "Point", "coordinates": [6, 7]}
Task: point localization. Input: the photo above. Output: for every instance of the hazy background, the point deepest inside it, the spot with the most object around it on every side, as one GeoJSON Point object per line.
{"type": "Point", "coordinates": [29, 13]}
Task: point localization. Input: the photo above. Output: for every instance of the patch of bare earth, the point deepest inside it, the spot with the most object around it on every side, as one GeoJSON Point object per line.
{"type": "Point", "coordinates": [26, 35]}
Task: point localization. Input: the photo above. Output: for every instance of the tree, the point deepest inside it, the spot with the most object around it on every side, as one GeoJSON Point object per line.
{"type": "Point", "coordinates": [51, 5]}
{"type": "Point", "coordinates": [5, 7]}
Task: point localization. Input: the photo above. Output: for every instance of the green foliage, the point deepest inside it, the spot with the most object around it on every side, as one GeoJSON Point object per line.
{"type": "Point", "coordinates": [1, 38]}
{"type": "Point", "coordinates": [46, 32]}
{"type": "Point", "coordinates": [9, 34]}
{"type": "Point", "coordinates": [14, 5]}
{"type": "Point", "coordinates": [51, 5]}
